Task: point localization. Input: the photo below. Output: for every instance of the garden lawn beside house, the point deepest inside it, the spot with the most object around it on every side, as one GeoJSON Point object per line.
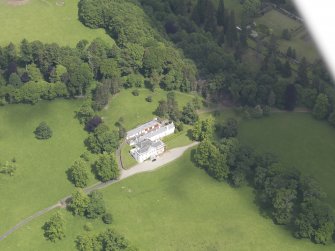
{"type": "Point", "coordinates": [135, 110]}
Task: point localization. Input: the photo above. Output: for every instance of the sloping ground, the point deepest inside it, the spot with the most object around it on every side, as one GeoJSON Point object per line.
{"type": "Point", "coordinates": [46, 21]}
{"type": "Point", "coordinates": [40, 179]}
{"type": "Point", "coordinates": [135, 110]}
{"type": "Point", "coordinates": [300, 141]}
{"type": "Point", "coordinates": [178, 207]}
{"type": "Point", "coordinates": [300, 40]}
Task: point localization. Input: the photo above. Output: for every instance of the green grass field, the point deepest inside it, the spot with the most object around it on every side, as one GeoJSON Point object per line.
{"type": "Point", "coordinates": [45, 21]}
{"type": "Point", "coordinates": [178, 139]}
{"type": "Point", "coordinates": [178, 207]}
{"type": "Point", "coordinates": [277, 22]}
{"type": "Point", "coordinates": [135, 110]}
{"type": "Point", "coordinates": [40, 180]}
{"type": "Point", "coordinates": [300, 41]}
{"type": "Point", "coordinates": [42, 164]}
{"type": "Point", "coordinates": [303, 44]}
{"type": "Point", "coordinates": [300, 141]}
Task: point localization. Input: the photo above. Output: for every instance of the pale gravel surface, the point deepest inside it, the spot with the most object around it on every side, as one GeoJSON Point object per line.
{"type": "Point", "coordinates": [148, 166]}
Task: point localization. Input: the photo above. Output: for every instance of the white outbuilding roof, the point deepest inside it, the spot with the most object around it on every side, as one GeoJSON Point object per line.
{"type": "Point", "coordinates": [134, 132]}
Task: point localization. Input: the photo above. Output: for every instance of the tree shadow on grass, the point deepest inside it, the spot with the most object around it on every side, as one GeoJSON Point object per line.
{"type": "Point", "coordinates": [69, 176]}
{"type": "Point", "coordinates": [189, 134]}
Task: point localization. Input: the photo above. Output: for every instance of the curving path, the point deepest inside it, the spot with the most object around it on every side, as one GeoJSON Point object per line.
{"type": "Point", "coordinates": [147, 166]}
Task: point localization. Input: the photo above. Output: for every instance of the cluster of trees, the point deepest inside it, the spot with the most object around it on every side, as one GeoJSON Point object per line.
{"type": "Point", "coordinates": [169, 109]}
{"type": "Point", "coordinates": [102, 139]}
{"type": "Point", "coordinates": [203, 129]}
{"type": "Point", "coordinates": [36, 71]}
{"type": "Point", "coordinates": [282, 193]}
{"type": "Point", "coordinates": [143, 51]}
{"type": "Point", "coordinates": [104, 241]}
{"type": "Point", "coordinates": [91, 206]}
{"type": "Point", "coordinates": [207, 33]}
{"type": "Point", "coordinates": [256, 112]}
{"type": "Point", "coordinates": [32, 92]}
{"type": "Point", "coordinates": [227, 129]}
{"type": "Point", "coordinates": [105, 168]}
{"type": "Point", "coordinates": [102, 142]}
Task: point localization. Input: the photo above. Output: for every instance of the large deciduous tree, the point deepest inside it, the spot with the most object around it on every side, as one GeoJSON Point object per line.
{"type": "Point", "coordinates": [106, 167]}
{"type": "Point", "coordinates": [78, 173]}
{"type": "Point", "coordinates": [203, 130]}
{"type": "Point", "coordinates": [103, 140]}
{"type": "Point", "coordinates": [85, 113]}
{"type": "Point", "coordinates": [43, 131]}
{"type": "Point", "coordinates": [96, 207]}
{"type": "Point", "coordinates": [189, 114]}
{"type": "Point", "coordinates": [54, 228]}
{"type": "Point", "coordinates": [79, 202]}
{"type": "Point", "coordinates": [321, 107]}
{"type": "Point", "coordinates": [251, 7]}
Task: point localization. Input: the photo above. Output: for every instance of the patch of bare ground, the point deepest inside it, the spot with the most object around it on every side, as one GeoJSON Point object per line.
{"type": "Point", "coordinates": [17, 2]}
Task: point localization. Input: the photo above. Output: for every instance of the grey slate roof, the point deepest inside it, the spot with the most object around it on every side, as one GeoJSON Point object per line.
{"type": "Point", "coordinates": [145, 145]}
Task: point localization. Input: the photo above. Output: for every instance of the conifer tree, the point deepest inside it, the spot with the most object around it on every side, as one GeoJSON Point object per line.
{"type": "Point", "coordinates": [210, 17]}
{"type": "Point", "coordinates": [302, 77]}
{"type": "Point", "coordinates": [221, 13]}
{"type": "Point", "coordinates": [231, 30]}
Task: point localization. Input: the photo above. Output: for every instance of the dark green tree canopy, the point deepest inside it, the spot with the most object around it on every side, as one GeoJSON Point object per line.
{"type": "Point", "coordinates": [106, 167]}
{"type": "Point", "coordinates": [43, 131]}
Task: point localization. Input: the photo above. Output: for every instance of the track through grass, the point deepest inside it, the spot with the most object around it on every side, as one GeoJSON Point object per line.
{"type": "Point", "coordinates": [178, 207]}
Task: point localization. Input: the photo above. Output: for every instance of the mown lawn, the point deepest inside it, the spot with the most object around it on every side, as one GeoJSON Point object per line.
{"type": "Point", "coordinates": [135, 110]}
{"type": "Point", "coordinates": [300, 141]}
{"type": "Point", "coordinates": [303, 44]}
{"type": "Point", "coordinates": [178, 207]}
{"type": "Point", "coordinates": [179, 139]}
{"type": "Point", "coordinates": [277, 22]}
{"type": "Point", "coordinates": [127, 160]}
{"type": "Point", "coordinates": [300, 41]}
{"type": "Point", "coordinates": [45, 21]}
{"type": "Point", "coordinates": [40, 179]}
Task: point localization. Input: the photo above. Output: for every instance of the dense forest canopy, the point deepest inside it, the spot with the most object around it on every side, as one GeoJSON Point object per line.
{"type": "Point", "coordinates": [148, 33]}
{"type": "Point", "coordinates": [217, 39]}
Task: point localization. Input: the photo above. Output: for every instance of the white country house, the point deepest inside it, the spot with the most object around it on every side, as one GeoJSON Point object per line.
{"type": "Point", "coordinates": [147, 149]}
{"type": "Point", "coordinates": [146, 139]}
